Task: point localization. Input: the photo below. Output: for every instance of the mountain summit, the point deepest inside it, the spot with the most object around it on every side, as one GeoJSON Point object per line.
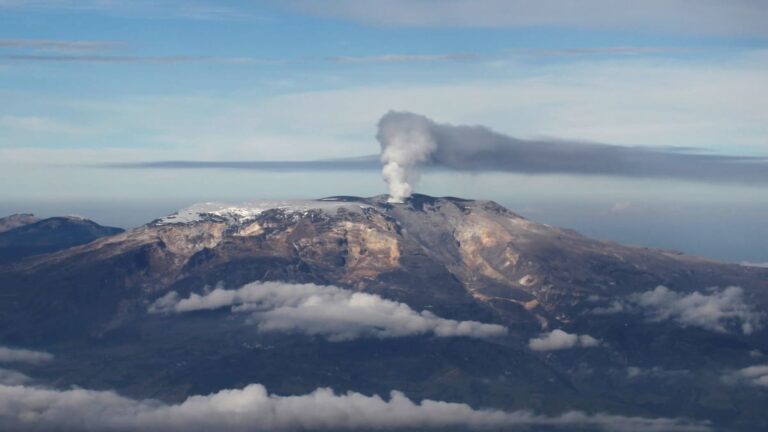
{"type": "Point", "coordinates": [525, 315]}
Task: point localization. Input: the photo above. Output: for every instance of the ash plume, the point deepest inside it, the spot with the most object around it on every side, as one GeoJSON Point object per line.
{"type": "Point", "coordinates": [409, 141]}
{"type": "Point", "coordinates": [406, 141]}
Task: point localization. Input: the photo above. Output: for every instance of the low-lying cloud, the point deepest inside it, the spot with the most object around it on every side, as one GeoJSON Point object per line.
{"type": "Point", "coordinates": [252, 408]}
{"type": "Point", "coordinates": [754, 375]}
{"type": "Point", "coordinates": [16, 355]}
{"type": "Point", "coordinates": [328, 311]}
{"type": "Point", "coordinates": [560, 340]}
{"type": "Point", "coordinates": [719, 310]}
{"type": "Point", "coordinates": [12, 377]}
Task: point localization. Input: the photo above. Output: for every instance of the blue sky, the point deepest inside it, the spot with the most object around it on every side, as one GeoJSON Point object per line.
{"type": "Point", "coordinates": [84, 83]}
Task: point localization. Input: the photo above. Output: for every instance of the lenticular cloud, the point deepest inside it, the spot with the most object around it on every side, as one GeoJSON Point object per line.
{"type": "Point", "coordinates": [328, 311]}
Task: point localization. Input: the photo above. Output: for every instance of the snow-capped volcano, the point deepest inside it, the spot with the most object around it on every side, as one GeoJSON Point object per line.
{"type": "Point", "coordinates": [355, 293]}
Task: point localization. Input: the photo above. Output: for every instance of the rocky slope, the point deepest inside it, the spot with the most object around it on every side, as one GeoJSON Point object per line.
{"type": "Point", "coordinates": [458, 259]}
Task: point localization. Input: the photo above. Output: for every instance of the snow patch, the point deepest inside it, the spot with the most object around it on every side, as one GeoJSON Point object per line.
{"type": "Point", "coordinates": [236, 214]}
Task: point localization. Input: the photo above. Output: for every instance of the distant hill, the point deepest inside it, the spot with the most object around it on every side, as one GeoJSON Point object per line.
{"type": "Point", "coordinates": [16, 220]}
{"type": "Point", "coordinates": [23, 235]}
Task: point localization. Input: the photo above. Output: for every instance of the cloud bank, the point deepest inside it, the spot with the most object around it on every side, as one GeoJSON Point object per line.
{"type": "Point", "coordinates": [710, 17]}
{"type": "Point", "coordinates": [14, 355]}
{"type": "Point", "coordinates": [410, 140]}
{"type": "Point", "coordinates": [559, 340]}
{"type": "Point", "coordinates": [720, 311]}
{"type": "Point", "coordinates": [252, 408]}
{"type": "Point", "coordinates": [328, 311]}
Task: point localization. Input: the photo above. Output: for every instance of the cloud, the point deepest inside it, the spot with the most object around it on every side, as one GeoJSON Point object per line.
{"type": "Point", "coordinates": [720, 310]}
{"type": "Point", "coordinates": [598, 51]}
{"type": "Point", "coordinates": [15, 355]}
{"type": "Point", "coordinates": [193, 10]}
{"type": "Point", "coordinates": [621, 207]}
{"type": "Point", "coordinates": [12, 378]}
{"type": "Point", "coordinates": [755, 264]}
{"type": "Point", "coordinates": [477, 148]}
{"type": "Point", "coordinates": [328, 311]}
{"type": "Point", "coordinates": [139, 59]}
{"type": "Point", "coordinates": [613, 308]}
{"type": "Point", "coordinates": [60, 45]}
{"type": "Point", "coordinates": [411, 140]}
{"type": "Point", "coordinates": [351, 164]}
{"type": "Point", "coordinates": [709, 17]}
{"type": "Point", "coordinates": [754, 375]}
{"type": "Point", "coordinates": [38, 124]}
{"type": "Point", "coordinates": [720, 106]}
{"type": "Point", "coordinates": [559, 340]}
{"type": "Point", "coordinates": [252, 408]}
{"type": "Point", "coordinates": [406, 58]}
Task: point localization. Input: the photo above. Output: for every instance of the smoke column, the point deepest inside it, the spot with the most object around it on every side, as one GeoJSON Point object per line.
{"type": "Point", "coordinates": [406, 141]}
{"type": "Point", "coordinates": [409, 140]}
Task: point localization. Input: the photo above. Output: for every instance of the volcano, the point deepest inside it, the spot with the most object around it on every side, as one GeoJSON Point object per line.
{"type": "Point", "coordinates": [206, 299]}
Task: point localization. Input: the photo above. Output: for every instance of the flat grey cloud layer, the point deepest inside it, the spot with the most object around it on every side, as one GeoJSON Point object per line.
{"type": "Point", "coordinates": [16, 355]}
{"type": "Point", "coordinates": [253, 408]}
{"type": "Point", "coordinates": [710, 17]}
{"type": "Point", "coordinates": [328, 311]}
{"type": "Point", "coordinates": [60, 45]}
{"type": "Point", "coordinates": [136, 59]}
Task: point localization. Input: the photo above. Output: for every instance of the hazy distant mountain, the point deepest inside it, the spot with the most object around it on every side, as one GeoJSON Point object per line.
{"type": "Point", "coordinates": [16, 220]}
{"type": "Point", "coordinates": [470, 303]}
{"type": "Point", "coordinates": [22, 235]}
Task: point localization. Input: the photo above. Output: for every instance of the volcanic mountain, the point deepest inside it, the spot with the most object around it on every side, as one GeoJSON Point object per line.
{"type": "Point", "coordinates": [508, 313]}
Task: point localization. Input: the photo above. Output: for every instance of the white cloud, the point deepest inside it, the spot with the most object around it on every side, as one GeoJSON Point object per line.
{"type": "Point", "coordinates": [613, 308]}
{"type": "Point", "coordinates": [719, 311]}
{"type": "Point", "coordinates": [39, 125]}
{"type": "Point", "coordinates": [755, 264]}
{"type": "Point", "coordinates": [621, 207]}
{"type": "Point", "coordinates": [253, 409]}
{"type": "Point", "coordinates": [755, 375]}
{"type": "Point", "coordinates": [558, 340]}
{"type": "Point", "coordinates": [734, 17]}
{"type": "Point", "coordinates": [328, 311]}
{"type": "Point", "coordinates": [644, 101]}
{"type": "Point", "coordinates": [14, 355]}
{"type": "Point", "coordinates": [12, 378]}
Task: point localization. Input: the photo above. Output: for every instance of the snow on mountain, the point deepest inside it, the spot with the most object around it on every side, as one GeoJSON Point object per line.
{"type": "Point", "coordinates": [234, 214]}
